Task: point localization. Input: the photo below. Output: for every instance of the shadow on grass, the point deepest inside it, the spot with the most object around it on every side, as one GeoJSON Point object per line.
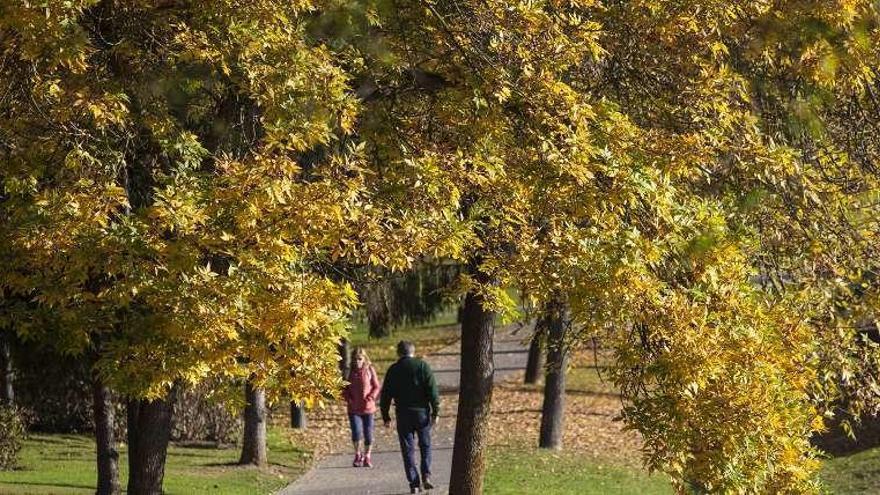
{"type": "Point", "coordinates": [568, 391]}
{"type": "Point", "coordinates": [53, 485]}
{"type": "Point", "coordinates": [59, 439]}
{"type": "Point", "coordinates": [203, 445]}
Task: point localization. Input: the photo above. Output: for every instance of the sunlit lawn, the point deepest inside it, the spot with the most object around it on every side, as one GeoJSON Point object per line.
{"type": "Point", "coordinates": [515, 471]}
{"type": "Point", "coordinates": [65, 464]}
{"type": "Point", "coordinates": [852, 474]}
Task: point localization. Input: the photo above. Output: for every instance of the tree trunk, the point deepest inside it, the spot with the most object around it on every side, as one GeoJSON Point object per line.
{"type": "Point", "coordinates": [475, 396]}
{"type": "Point", "coordinates": [253, 449]}
{"type": "Point", "coordinates": [344, 349]}
{"type": "Point", "coordinates": [105, 438]}
{"type": "Point", "coordinates": [7, 373]}
{"type": "Point", "coordinates": [149, 429]}
{"type": "Point", "coordinates": [534, 363]}
{"type": "Point", "coordinates": [553, 410]}
{"type": "Point", "coordinates": [378, 312]}
{"type": "Point", "coordinates": [297, 416]}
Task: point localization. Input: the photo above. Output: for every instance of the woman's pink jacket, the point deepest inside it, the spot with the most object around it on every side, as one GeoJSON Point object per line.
{"type": "Point", "coordinates": [362, 391]}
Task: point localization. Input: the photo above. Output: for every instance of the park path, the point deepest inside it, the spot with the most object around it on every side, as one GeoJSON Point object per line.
{"type": "Point", "coordinates": [334, 474]}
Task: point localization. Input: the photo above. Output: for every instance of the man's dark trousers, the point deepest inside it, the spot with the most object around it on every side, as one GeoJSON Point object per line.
{"type": "Point", "coordinates": [412, 423]}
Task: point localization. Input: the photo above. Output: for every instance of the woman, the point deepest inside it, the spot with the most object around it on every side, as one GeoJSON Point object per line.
{"type": "Point", "coordinates": [360, 395]}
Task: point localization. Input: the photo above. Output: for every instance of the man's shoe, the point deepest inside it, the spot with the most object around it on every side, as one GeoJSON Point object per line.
{"type": "Point", "coordinates": [414, 489]}
{"type": "Point", "coordinates": [358, 460]}
{"type": "Point", "coordinates": [426, 483]}
{"type": "Point", "coordinates": [368, 461]}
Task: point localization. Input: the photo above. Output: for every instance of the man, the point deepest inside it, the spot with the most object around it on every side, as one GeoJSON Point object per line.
{"type": "Point", "coordinates": [411, 385]}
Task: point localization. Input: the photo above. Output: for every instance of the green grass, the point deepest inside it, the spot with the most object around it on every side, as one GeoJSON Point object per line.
{"type": "Point", "coordinates": [518, 470]}
{"type": "Point", "coordinates": [522, 470]}
{"type": "Point", "coordinates": [852, 474]}
{"type": "Point", "coordinates": [514, 471]}
{"type": "Point", "coordinates": [65, 464]}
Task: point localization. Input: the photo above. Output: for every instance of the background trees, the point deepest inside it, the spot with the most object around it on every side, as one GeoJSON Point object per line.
{"type": "Point", "coordinates": [414, 296]}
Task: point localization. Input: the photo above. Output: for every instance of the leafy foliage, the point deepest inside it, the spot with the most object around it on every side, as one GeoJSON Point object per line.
{"type": "Point", "coordinates": [12, 434]}
{"type": "Point", "coordinates": [617, 153]}
{"type": "Point", "coordinates": [153, 199]}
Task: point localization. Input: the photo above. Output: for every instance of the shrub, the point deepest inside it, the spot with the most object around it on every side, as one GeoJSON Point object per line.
{"type": "Point", "coordinates": [13, 429]}
{"type": "Point", "coordinates": [200, 415]}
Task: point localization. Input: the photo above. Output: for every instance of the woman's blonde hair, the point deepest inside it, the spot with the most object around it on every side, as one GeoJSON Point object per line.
{"type": "Point", "coordinates": [359, 351]}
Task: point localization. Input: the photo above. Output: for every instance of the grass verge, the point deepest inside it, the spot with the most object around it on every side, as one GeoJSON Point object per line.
{"type": "Point", "coordinates": [515, 471]}
{"type": "Point", "coordinates": [65, 464]}
{"type": "Point", "coordinates": [852, 474]}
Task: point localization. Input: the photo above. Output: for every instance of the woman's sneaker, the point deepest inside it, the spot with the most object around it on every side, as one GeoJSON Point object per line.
{"type": "Point", "coordinates": [358, 460]}
{"type": "Point", "coordinates": [368, 461]}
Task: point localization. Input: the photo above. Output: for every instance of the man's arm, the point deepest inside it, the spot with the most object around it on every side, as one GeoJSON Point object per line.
{"type": "Point", "coordinates": [386, 395]}
{"type": "Point", "coordinates": [433, 392]}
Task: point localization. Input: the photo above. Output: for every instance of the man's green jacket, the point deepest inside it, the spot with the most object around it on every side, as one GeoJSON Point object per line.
{"type": "Point", "coordinates": [410, 384]}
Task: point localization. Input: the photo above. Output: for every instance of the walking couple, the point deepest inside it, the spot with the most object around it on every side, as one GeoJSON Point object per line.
{"type": "Point", "coordinates": [410, 384]}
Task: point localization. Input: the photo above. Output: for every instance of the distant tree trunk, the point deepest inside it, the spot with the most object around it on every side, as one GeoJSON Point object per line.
{"type": "Point", "coordinates": [344, 349]}
{"type": "Point", "coordinates": [297, 416]}
{"type": "Point", "coordinates": [475, 396]}
{"type": "Point", "coordinates": [253, 448]}
{"type": "Point", "coordinates": [7, 372]}
{"type": "Point", "coordinates": [105, 438]}
{"type": "Point", "coordinates": [149, 429]}
{"type": "Point", "coordinates": [534, 363]}
{"type": "Point", "coordinates": [378, 312]}
{"type": "Point", "coordinates": [553, 410]}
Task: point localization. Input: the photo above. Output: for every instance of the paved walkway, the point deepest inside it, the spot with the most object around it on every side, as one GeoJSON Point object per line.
{"type": "Point", "coordinates": [334, 474]}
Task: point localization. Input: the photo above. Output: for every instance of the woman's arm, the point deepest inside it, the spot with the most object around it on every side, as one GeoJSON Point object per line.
{"type": "Point", "coordinates": [375, 386]}
{"type": "Point", "coordinates": [346, 393]}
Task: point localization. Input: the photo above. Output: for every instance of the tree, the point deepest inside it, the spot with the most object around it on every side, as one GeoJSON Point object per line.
{"type": "Point", "coordinates": [602, 151]}
{"type": "Point", "coordinates": [475, 389]}
{"type": "Point", "coordinates": [155, 197]}
{"type": "Point", "coordinates": [149, 430]}
{"type": "Point", "coordinates": [535, 361]}
{"type": "Point", "coordinates": [253, 446]}
{"type": "Point", "coordinates": [7, 371]}
{"type": "Point", "coordinates": [178, 176]}
{"type": "Point", "coordinates": [105, 440]}
{"type": "Point", "coordinates": [298, 419]}
{"type": "Point", "coordinates": [375, 297]}
{"type": "Point", "coordinates": [107, 454]}
{"type": "Point", "coordinates": [553, 407]}
{"type": "Point", "coordinates": [819, 227]}
{"type": "Point", "coordinates": [415, 296]}
{"type": "Point", "coordinates": [493, 144]}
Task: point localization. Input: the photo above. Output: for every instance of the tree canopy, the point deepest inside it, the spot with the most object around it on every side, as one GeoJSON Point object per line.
{"type": "Point", "coordinates": [157, 191]}
{"type": "Point", "coordinates": [697, 179]}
